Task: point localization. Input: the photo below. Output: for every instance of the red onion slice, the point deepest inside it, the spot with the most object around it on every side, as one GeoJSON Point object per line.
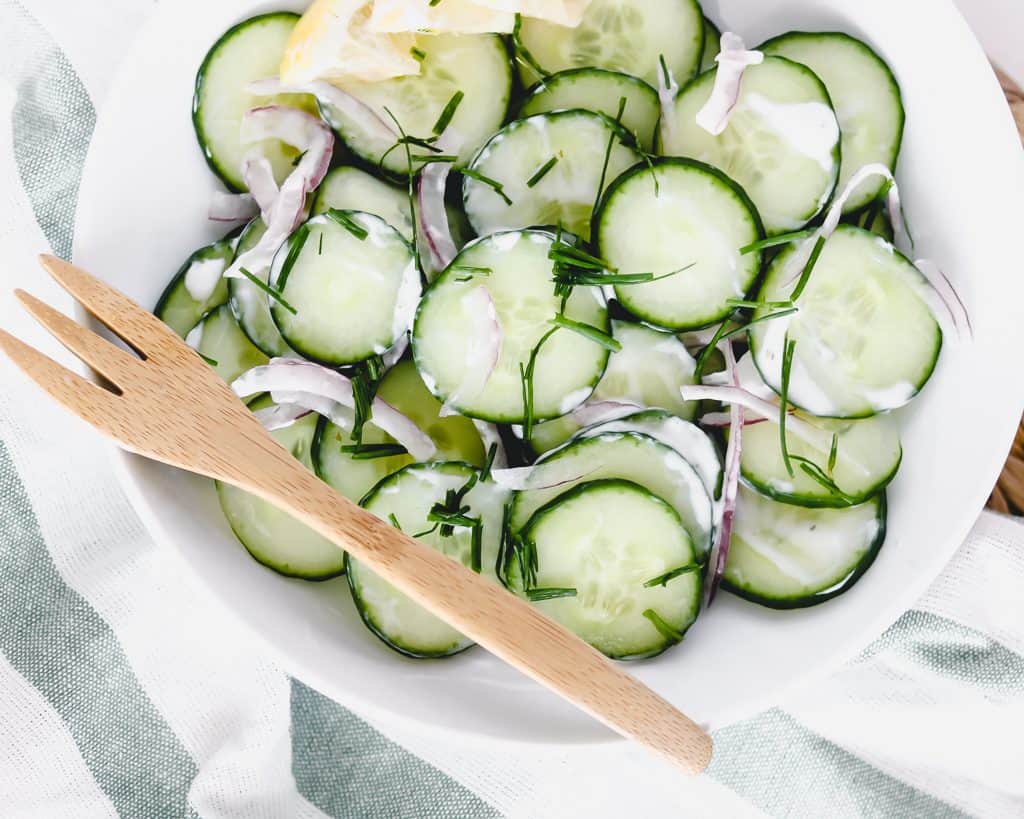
{"type": "Point", "coordinates": [490, 436]}
{"type": "Point", "coordinates": [394, 355]}
{"type": "Point", "coordinates": [733, 60]}
{"type": "Point", "coordinates": [407, 301]}
{"type": "Point", "coordinates": [288, 375]}
{"type": "Point", "coordinates": [433, 216]}
{"type": "Point", "coordinates": [232, 207]}
{"type": "Point", "coordinates": [730, 486]}
{"type": "Point", "coordinates": [483, 354]}
{"type": "Point", "coordinates": [947, 294]}
{"type": "Point", "coordinates": [591, 413]}
{"type": "Point", "coordinates": [280, 416]}
{"type": "Point", "coordinates": [720, 420]}
{"type": "Point", "coordinates": [523, 478]}
{"type": "Point", "coordinates": [259, 178]}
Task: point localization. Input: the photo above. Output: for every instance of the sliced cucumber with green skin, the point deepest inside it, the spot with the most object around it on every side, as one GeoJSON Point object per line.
{"type": "Point", "coordinates": [782, 143]}
{"type": "Point", "coordinates": [788, 557]}
{"type": "Point", "coordinates": [606, 540]}
{"type": "Point", "coordinates": [409, 496]}
{"type": "Point", "coordinates": [341, 285]}
{"type": "Point", "coordinates": [221, 341]}
{"type": "Point", "coordinates": [680, 215]}
{"type": "Point", "coordinates": [348, 188]}
{"type": "Point", "coordinates": [456, 437]}
{"type": "Point", "coordinates": [866, 98]}
{"type": "Point", "coordinates": [451, 329]}
{"type": "Point", "coordinates": [600, 90]}
{"type": "Point", "coordinates": [868, 455]}
{"type": "Point", "coordinates": [712, 45]}
{"type": "Point", "coordinates": [251, 305]}
{"type": "Point", "coordinates": [249, 51]}
{"type": "Point", "coordinates": [623, 35]}
{"type": "Point", "coordinates": [630, 456]}
{"type": "Point", "coordinates": [566, 193]}
{"type": "Point", "coordinates": [865, 338]}
{"type": "Point", "coordinates": [648, 370]}
{"type": "Point", "coordinates": [478, 65]}
{"type": "Point", "coordinates": [178, 308]}
{"type": "Point", "coordinates": [271, 536]}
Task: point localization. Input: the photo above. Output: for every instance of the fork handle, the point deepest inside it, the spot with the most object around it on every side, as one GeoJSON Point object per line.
{"type": "Point", "coordinates": [502, 623]}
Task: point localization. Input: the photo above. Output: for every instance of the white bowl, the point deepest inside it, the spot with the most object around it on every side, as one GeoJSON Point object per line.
{"type": "Point", "coordinates": [142, 210]}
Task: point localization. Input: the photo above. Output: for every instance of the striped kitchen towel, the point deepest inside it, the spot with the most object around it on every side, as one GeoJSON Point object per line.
{"type": "Point", "coordinates": [127, 691]}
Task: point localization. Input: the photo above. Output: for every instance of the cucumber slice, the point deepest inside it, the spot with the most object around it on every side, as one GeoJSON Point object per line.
{"type": "Point", "coordinates": [566, 193]}
{"type": "Point", "coordinates": [628, 456]}
{"type": "Point", "coordinates": [868, 455]}
{"type": "Point", "coordinates": [271, 536]}
{"type": "Point", "coordinates": [409, 496]}
{"type": "Point", "coordinates": [219, 339]}
{"type": "Point", "coordinates": [866, 341]}
{"type": "Point", "coordinates": [343, 284]}
{"type": "Point", "coordinates": [250, 304]}
{"type": "Point", "coordinates": [349, 188]}
{"type": "Point", "coordinates": [787, 557]}
{"type": "Point", "coordinates": [249, 51]}
{"type": "Point", "coordinates": [600, 90]}
{"type": "Point", "coordinates": [670, 216]}
{"type": "Point", "coordinates": [648, 370]}
{"type": "Point", "coordinates": [866, 97]}
{"type": "Point", "coordinates": [177, 308]}
{"type": "Point", "coordinates": [623, 35]}
{"type": "Point", "coordinates": [782, 143]}
{"type": "Point", "coordinates": [448, 332]}
{"type": "Point", "coordinates": [475, 64]}
{"type": "Point", "coordinates": [456, 437]}
{"type": "Point", "coordinates": [712, 45]}
{"type": "Point", "coordinates": [605, 540]}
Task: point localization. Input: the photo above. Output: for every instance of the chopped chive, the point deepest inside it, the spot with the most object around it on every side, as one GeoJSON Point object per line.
{"type": "Point", "coordinates": [476, 548]}
{"type": "Point", "coordinates": [426, 144]}
{"type": "Point", "coordinates": [342, 218]}
{"type": "Point", "coordinates": [787, 370]}
{"type": "Point", "coordinates": [526, 374]}
{"type": "Point", "coordinates": [757, 305]}
{"type": "Point", "coordinates": [453, 518]}
{"type": "Point", "coordinates": [429, 531]}
{"type": "Point", "coordinates": [833, 454]}
{"type": "Point", "coordinates": [493, 184]}
{"type": "Point", "coordinates": [818, 475]}
{"type": "Point", "coordinates": [320, 250]}
{"type": "Point", "coordinates": [608, 152]}
{"type": "Point", "coordinates": [410, 185]}
{"type": "Point", "coordinates": [448, 112]}
{"type": "Point", "coordinates": [298, 159]}
{"type": "Point", "coordinates": [418, 54]}
{"type": "Point", "coordinates": [588, 331]}
{"type": "Point", "coordinates": [775, 241]}
{"type": "Point", "coordinates": [296, 244]}
{"type": "Point", "coordinates": [506, 545]}
{"type": "Point", "coordinates": [471, 272]}
{"type": "Point", "coordinates": [364, 389]}
{"type": "Point", "coordinates": [808, 269]}
{"type": "Point", "coordinates": [702, 360]}
{"type": "Point", "coordinates": [766, 317]}
{"type": "Point", "coordinates": [394, 521]}
{"type": "Point", "coordinates": [665, 73]}
{"type": "Point", "coordinates": [270, 291]}
{"type": "Point", "coordinates": [537, 595]}
{"type": "Point", "coordinates": [371, 452]}
{"type": "Point", "coordinates": [485, 473]}
{"type": "Point", "coordinates": [671, 634]}
{"type": "Point", "coordinates": [522, 52]}
{"type": "Point", "coordinates": [207, 359]}
{"type": "Point", "coordinates": [429, 158]}
{"type": "Point", "coordinates": [542, 172]}
{"type": "Point", "coordinates": [665, 579]}
{"type": "Point", "coordinates": [434, 3]}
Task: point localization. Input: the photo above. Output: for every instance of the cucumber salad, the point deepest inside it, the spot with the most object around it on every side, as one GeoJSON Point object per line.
{"type": "Point", "coordinates": [605, 305]}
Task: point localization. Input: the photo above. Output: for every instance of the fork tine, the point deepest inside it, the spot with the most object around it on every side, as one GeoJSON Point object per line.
{"type": "Point", "coordinates": [94, 404]}
{"type": "Point", "coordinates": [110, 361]}
{"type": "Point", "coordinates": [136, 326]}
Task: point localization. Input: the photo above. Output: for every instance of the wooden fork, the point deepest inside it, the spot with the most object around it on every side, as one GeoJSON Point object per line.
{"type": "Point", "coordinates": [165, 403]}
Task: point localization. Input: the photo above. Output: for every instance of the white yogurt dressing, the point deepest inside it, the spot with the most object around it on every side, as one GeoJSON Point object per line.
{"type": "Point", "coordinates": [809, 128]}
{"type": "Point", "coordinates": [203, 276]}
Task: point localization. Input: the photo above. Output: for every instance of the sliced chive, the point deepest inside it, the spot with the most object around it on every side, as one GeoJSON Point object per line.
{"type": "Point", "coordinates": [506, 545]}
{"type": "Point", "coordinates": [775, 241]}
{"type": "Point", "coordinates": [787, 370]}
{"type": "Point", "coordinates": [427, 159]}
{"type": "Point", "coordinates": [270, 291]}
{"type": "Point", "coordinates": [766, 317]}
{"type": "Point", "coordinates": [429, 531]}
{"type": "Point", "coordinates": [522, 52]}
{"type": "Point", "coordinates": [665, 579]}
{"type": "Point", "coordinates": [541, 172]}
{"type": "Point", "coordinates": [588, 331]}
{"type": "Point", "coordinates": [671, 634]}
{"type": "Point", "coordinates": [492, 453]}
{"type": "Point", "coordinates": [371, 452]}
{"type": "Point", "coordinates": [471, 272]}
{"type": "Point", "coordinates": [833, 454]}
{"type": "Point", "coordinates": [394, 521]}
{"type": "Point", "coordinates": [493, 184]}
{"type": "Point", "coordinates": [434, 3]}
{"type": "Point", "coordinates": [808, 269]}
{"type": "Point", "coordinates": [818, 475]}
{"type": "Point", "coordinates": [702, 359]}
{"type": "Point", "coordinates": [665, 73]}
{"type": "Point", "coordinates": [341, 218]}
{"type": "Point", "coordinates": [453, 518]}
{"type": "Point", "coordinates": [207, 359]}
{"type": "Point", "coordinates": [418, 54]}
{"type": "Point", "coordinates": [608, 153]}
{"type": "Point", "coordinates": [537, 595]}
{"type": "Point", "coordinates": [448, 112]}
{"type": "Point", "coordinates": [476, 548]}
{"type": "Point", "coordinates": [758, 305]}
{"type": "Point", "coordinates": [526, 374]}
{"type": "Point", "coordinates": [297, 243]}
{"type": "Point", "coordinates": [410, 185]}
{"type": "Point", "coordinates": [320, 249]}
{"type": "Point", "coordinates": [298, 159]}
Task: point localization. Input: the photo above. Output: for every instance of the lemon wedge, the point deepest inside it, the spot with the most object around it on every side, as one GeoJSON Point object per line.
{"type": "Point", "coordinates": [448, 17]}
{"type": "Point", "coordinates": [563, 12]}
{"type": "Point", "coordinates": [333, 42]}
